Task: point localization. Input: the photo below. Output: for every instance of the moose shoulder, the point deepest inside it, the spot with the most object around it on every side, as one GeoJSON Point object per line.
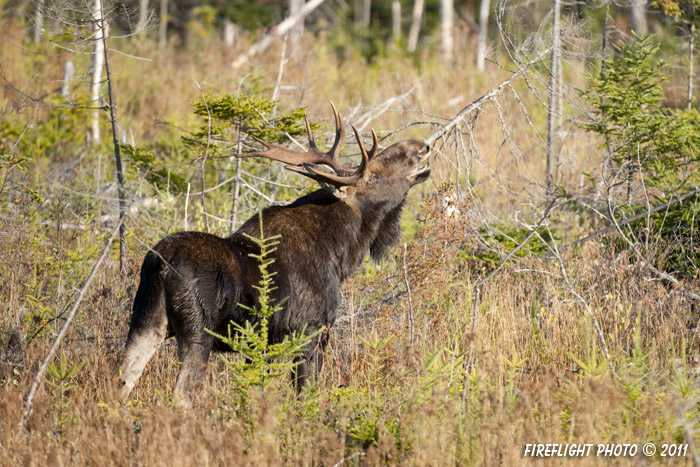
{"type": "Point", "coordinates": [192, 281]}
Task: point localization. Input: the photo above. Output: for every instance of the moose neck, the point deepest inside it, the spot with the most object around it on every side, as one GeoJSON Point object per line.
{"type": "Point", "coordinates": [353, 240]}
{"type": "Point", "coordinates": [360, 226]}
{"type": "Point", "coordinates": [340, 232]}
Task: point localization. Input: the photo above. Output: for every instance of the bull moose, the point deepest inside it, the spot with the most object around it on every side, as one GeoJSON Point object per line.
{"type": "Point", "coordinates": [194, 281]}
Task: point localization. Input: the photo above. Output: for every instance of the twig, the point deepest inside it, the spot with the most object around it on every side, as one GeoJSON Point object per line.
{"type": "Point", "coordinates": [510, 254]}
{"type": "Point", "coordinates": [187, 202]}
{"type": "Point", "coordinates": [408, 289]}
{"type": "Point", "coordinates": [236, 183]}
{"type": "Point", "coordinates": [642, 215]}
{"type": "Point", "coordinates": [661, 274]}
{"type": "Point", "coordinates": [44, 365]}
{"type": "Point", "coordinates": [555, 250]}
{"type": "Point", "coordinates": [280, 71]}
{"type": "Point", "coordinates": [477, 103]}
{"type": "Point", "coordinates": [383, 107]}
{"type": "Point", "coordinates": [480, 282]}
{"type": "Point", "coordinates": [206, 154]}
{"type": "Point", "coordinates": [243, 172]}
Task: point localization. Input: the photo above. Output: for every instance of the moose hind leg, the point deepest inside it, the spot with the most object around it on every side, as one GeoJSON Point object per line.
{"type": "Point", "coordinates": [309, 364]}
{"type": "Point", "coordinates": [194, 356]}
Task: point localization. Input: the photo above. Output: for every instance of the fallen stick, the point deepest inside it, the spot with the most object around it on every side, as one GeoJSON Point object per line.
{"type": "Point", "coordinates": [639, 216]}
{"type": "Point", "coordinates": [44, 365]}
{"type": "Point", "coordinates": [280, 30]}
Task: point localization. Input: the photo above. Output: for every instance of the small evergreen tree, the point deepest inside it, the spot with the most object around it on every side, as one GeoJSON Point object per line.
{"type": "Point", "coordinates": [230, 120]}
{"type": "Point", "coordinates": [658, 146]}
{"type": "Point", "coordinates": [263, 362]}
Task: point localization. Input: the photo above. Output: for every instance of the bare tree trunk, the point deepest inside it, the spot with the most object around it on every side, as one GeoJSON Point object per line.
{"type": "Point", "coordinates": [638, 16]}
{"type": "Point", "coordinates": [367, 12]}
{"type": "Point", "coordinates": [295, 32]}
{"type": "Point", "coordinates": [553, 97]}
{"type": "Point", "coordinates": [691, 46]}
{"type": "Point", "coordinates": [416, 22]}
{"type": "Point", "coordinates": [163, 26]}
{"type": "Point", "coordinates": [97, 64]}
{"type": "Point", "coordinates": [295, 7]}
{"type": "Point", "coordinates": [101, 24]}
{"type": "Point", "coordinates": [38, 20]}
{"type": "Point", "coordinates": [20, 9]}
{"type": "Point", "coordinates": [68, 72]}
{"type": "Point", "coordinates": [363, 12]}
{"type": "Point", "coordinates": [143, 16]}
{"type": "Point", "coordinates": [559, 120]}
{"type": "Point", "coordinates": [229, 32]}
{"type": "Point", "coordinates": [447, 18]}
{"type": "Point", "coordinates": [606, 162]}
{"type": "Point", "coordinates": [483, 34]}
{"type": "Point", "coordinates": [396, 21]}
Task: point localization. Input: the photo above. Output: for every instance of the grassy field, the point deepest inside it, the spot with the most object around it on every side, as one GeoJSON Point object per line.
{"type": "Point", "coordinates": [434, 375]}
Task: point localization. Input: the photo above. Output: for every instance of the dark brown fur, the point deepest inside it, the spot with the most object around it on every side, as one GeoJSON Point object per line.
{"type": "Point", "coordinates": [193, 281]}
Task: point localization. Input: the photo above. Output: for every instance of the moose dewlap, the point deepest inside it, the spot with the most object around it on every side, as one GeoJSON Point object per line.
{"type": "Point", "coordinates": [193, 281]}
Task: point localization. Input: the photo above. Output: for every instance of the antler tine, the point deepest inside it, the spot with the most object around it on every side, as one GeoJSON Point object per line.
{"type": "Point", "coordinates": [304, 162]}
{"type": "Point", "coordinates": [313, 156]}
{"type": "Point", "coordinates": [312, 142]}
{"type": "Point", "coordinates": [339, 180]}
{"type": "Point", "coordinates": [363, 150]}
{"type": "Point", "coordinates": [339, 136]}
{"type": "Point", "coordinates": [375, 144]}
{"type": "Point", "coordinates": [282, 154]}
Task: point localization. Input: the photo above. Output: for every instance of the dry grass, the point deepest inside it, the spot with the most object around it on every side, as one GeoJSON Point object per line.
{"type": "Point", "coordinates": [538, 374]}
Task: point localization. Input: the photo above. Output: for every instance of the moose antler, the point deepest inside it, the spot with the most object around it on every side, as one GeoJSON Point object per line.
{"type": "Point", "coordinates": [304, 162]}
{"type": "Point", "coordinates": [313, 155]}
{"type": "Point", "coordinates": [342, 180]}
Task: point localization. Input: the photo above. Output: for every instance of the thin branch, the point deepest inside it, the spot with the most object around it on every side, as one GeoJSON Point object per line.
{"type": "Point", "coordinates": [115, 140]}
{"type": "Point", "coordinates": [555, 250]}
{"type": "Point", "coordinates": [457, 119]}
{"type": "Point", "coordinates": [639, 216]}
{"type": "Point", "coordinates": [408, 290]}
{"type": "Point", "coordinates": [206, 154]}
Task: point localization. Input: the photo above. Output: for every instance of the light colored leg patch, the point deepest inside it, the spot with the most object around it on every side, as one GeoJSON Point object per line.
{"type": "Point", "coordinates": [139, 351]}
